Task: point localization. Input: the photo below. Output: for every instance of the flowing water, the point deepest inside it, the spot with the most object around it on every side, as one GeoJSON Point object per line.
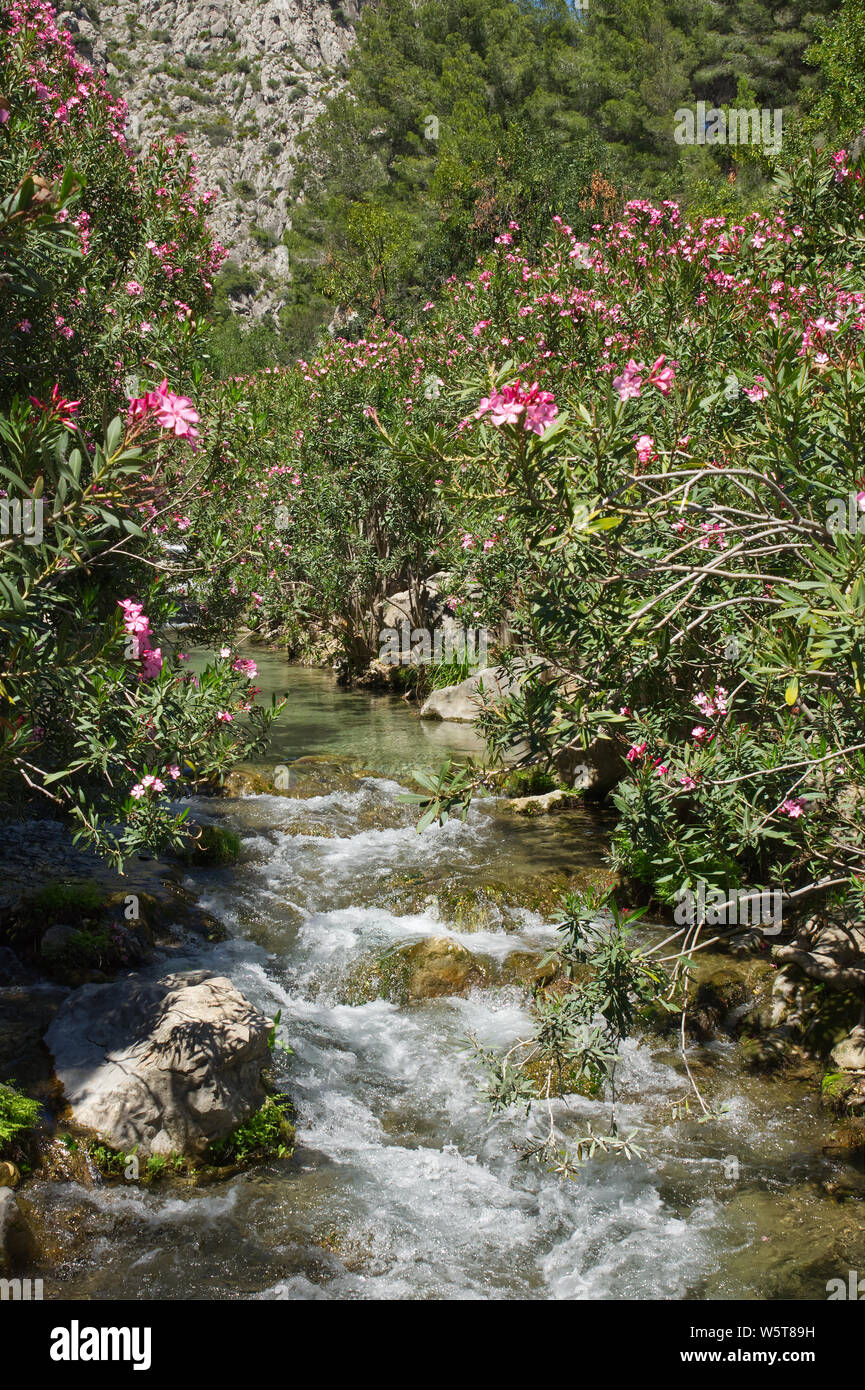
{"type": "Point", "coordinates": [401, 1185]}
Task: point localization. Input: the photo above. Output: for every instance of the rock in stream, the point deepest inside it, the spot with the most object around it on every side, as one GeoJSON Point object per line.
{"type": "Point", "coordinates": [168, 1062]}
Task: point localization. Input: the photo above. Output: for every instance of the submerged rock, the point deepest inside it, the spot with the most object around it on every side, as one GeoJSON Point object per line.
{"type": "Point", "coordinates": [439, 966]}
{"type": "Point", "coordinates": [529, 968]}
{"type": "Point", "coordinates": [424, 969]}
{"type": "Point", "coordinates": [17, 1243]}
{"type": "Point", "coordinates": [544, 805]}
{"type": "Point", "coordinates": [166, 1063]}
{"type": "Point", "coordinates": [470, 904]}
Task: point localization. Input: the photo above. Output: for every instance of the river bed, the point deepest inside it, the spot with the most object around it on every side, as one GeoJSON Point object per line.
{"type": "Point", "coordinates": [402, 1186]}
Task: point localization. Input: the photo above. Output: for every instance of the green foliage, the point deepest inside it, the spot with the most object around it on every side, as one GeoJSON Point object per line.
{"type": "Point", "coordinates": [106, 264]}
{"type": "Point", "coordinates": [111, 1163]}
{"type": "Point", "coordinates": [265, 1135]}
{"type": "Point", "coordinates": [577, 1033]}
{"type": "Point", "coordinates": [635, 579]}
{"type": "Point", "coordinates": [55, 899]}
{"type": "Point", "coordinates": [114, 1163]}
{"type": "Point", "coordinates": [838, 106]}
{"type": "Point", "coordinates": [461, 117]}
{"type": "Point", "coordinates": [376, 255]}
{"type": "Point", "coordinates": [17, 1113]}
{"type": "Point", "coordinates": [457, 118]}
{"type": "Point", "coordinates": [445, 793]}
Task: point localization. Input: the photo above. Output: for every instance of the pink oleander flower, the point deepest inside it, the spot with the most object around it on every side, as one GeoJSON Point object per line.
{"type": "Point", "coordinates": [177, 413]}
{"type": "Point", "coordinates": [151, 664]}
{"type": "Point", "coordinates": [225, 651]}
{"type": "Point", "coordinates": [645, 447]}
{"type": "Point", "coordinates": [173, 771]}
{"type": "Point", "coordinates": [662, 377]}
{"type": "Point", "coordinates": [171, 412]}
{"type": "Point", "coordinates": [246, 666]}
{"type": "Point", "coordinates": [711, 705]}
{"type": "Point", "coordinates": [630, 383]}
{"type": "Point", "coordinates": [712, 531]}
{"type": "Point", "coordinates": [155, 783]}
{"type": "Point", "coordinates": [699, 733]}
{"type": "Point", "coordinates": [57, 407]}
{"type": "Point", "coordinates": [636, 750]}
{"type": "Point", "coordinates": [792, 807]}
{"type": "Point", "coordinates": [516, 404]}
{"type": "Point", "coordinates": [224, 717]}
{"type": "Point", "coordinates": [138, 791]}
{"type": "Point", "coordinates": [134, 620]}
{"type": "Point", "coordinates": [687, 782]}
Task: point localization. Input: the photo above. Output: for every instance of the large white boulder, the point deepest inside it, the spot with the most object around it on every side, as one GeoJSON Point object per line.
{"type": "Point", "coordinates": [165, 1062]}
{"type": "Point", "coordinates": [462, 702]}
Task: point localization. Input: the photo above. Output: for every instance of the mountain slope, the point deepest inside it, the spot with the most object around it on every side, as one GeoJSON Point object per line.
{"type": "Point", "coordinates": [241, 79]}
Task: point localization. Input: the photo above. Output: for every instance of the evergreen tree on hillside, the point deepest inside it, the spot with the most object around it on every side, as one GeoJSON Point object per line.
{"type": "Point", "coordinates": [838, 107]}
{"type": "Point", "coordinates": [460, 116]}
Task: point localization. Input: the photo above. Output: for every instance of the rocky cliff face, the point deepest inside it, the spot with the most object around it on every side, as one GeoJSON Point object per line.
{"type": "Point", "coordinates": [241, 79]}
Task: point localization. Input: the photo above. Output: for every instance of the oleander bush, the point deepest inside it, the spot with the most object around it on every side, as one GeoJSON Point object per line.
{"type": "Point", "coordinates": [104, 266]}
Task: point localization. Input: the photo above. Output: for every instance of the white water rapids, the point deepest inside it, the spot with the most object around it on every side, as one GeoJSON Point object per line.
{"type": "Point", "coordinates": [402, 1185]}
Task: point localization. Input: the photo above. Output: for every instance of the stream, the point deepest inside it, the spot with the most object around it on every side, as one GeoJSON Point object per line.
{"type": "Point", "coordinates": [402, 1185]}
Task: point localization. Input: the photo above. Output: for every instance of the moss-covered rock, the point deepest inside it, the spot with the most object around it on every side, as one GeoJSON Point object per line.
{"type": "Point", "coordinates": [847, 1141]}
{"type": "Point", "coordinates": [528, 968]}
{"type": "Point", "coordinates": [213, 845]}
{"type": "Point", "coordinates": [528, 781]}
{"type": "Point", "coordinates": [79, 932]}
{"type": "Point", "coordinates": [843, 1093]}
{"type": "Point", "coordinates": [471, 905]}
{"type": "Point", "coordinates": [546, 805]}
{"type": "Point", "coordinates": [10, 1175]}
{"type": "Point", "coordinates": [422, 970]}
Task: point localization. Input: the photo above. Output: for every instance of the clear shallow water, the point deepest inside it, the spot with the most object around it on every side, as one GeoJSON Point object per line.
{"type": "Point", "coordinates": [402, 1186]}
{"type": "Point", "coordinates": [326, 721]}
